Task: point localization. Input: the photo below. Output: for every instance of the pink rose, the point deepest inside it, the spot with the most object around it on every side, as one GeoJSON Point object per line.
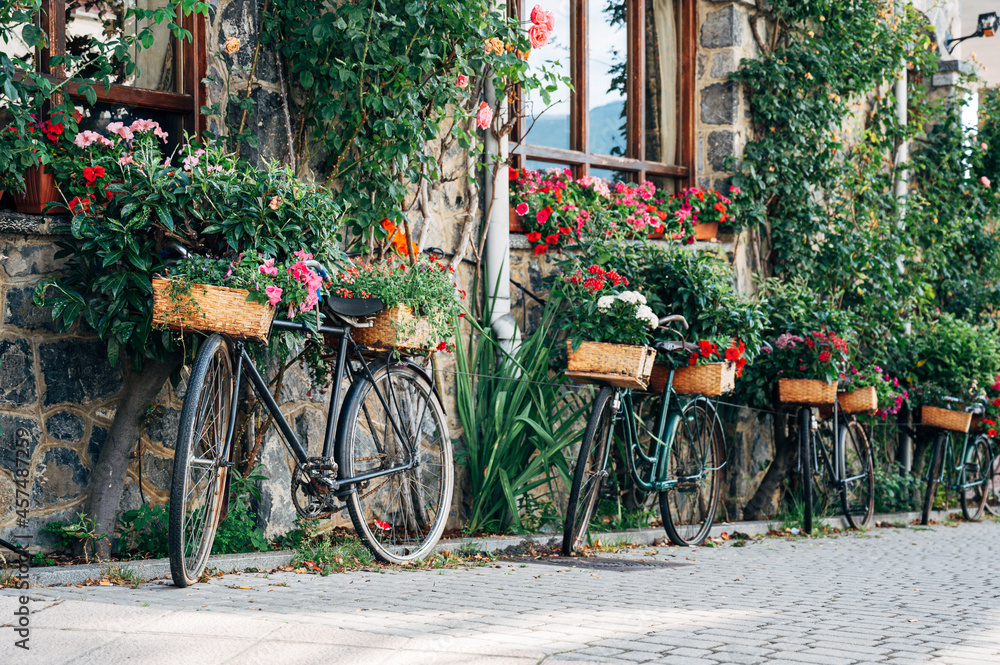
{"type": "Point", "coordinates": [538, 36]}
{"type": "Point", "coordinates": [462, 81]}
{"type": "Point", "coordinates": [484, 116]}
{"type": "Point", "coordinates": [985, 181]}
{"type": "Point", "coordinates": [521, 209]}
{"type": "Point", "coordinates": [273, 294]}
{"type": "Point", "coordinates": [537, 15]}
{"type": "Point", "coordinates": [549, 22]}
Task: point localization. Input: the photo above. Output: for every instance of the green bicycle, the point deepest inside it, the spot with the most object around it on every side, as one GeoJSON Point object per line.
{"type": "Point", "coordinates": [683, 460]}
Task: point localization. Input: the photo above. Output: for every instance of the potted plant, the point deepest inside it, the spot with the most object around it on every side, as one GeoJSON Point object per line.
{"type": "Point", "coordinates": [27, 155]}
{"type": "Point", "coordinates": [711, 370]}
{"type": "Point", "coordinates": [870, 390]}
{"type": "Point", "coordinates": [608, 326]}
{"type": "Point", "coordinates": [420, 296]}
{"type": "Point", "coordinates": [544, 204]}
{"type": "Point", "coordinates": [807, 366]}
{"type": "Point", "coordinates": [700, 211]}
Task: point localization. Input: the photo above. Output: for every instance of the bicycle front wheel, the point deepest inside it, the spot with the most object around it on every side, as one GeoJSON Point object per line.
{"type": "Point", "coordinates": [200, 459]}
{"type": "Point", "coordinates": [857, 491]}
{"type": "Point", "coordinates": [589, 472]}
{"type": "Point", "coordinates": [974, 478]}
{"type": "Point", "coordinates": [933, 474]}
{"type": "Point", "coordinates": [396, 421]}
{"type": "Point", "coordinates": [694, 467]}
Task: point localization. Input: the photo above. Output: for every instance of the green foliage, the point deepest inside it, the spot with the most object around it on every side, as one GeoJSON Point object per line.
{"type": "Point", "coordinates": [239, 531]}
{"type": "Point", "coordinates": [68, 534]}
{"type": "Point", "coordinates": [896, 491]}
{"type": "Point", "coordinates": [331, 554]}
{"type": "Point", "coordinates": [143, 531]}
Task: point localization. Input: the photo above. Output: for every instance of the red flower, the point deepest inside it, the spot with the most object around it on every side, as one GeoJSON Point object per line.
{"type": "Point", "coordinates": [706, 348]}
{"type": "Point", "coordinates": [534, 236]}
{"type": "Point", "coordinates": [52, 130]}
{"type": "Point", "coordinates": [565, 230]}
{"type": "Point", "coordinates": [552, 240]}
{"type": "Point", "coordinates": [693, 360]}
{"type": "Point", "coordinates": [442, 346]}
{"type": "Point", "coordinates": [732, 354]}
{"type": "Point", "coordinates": [541, 249]}
{"type": "Point", "coordinates": [992, 433]}
{"type": "Point", "coordinates": [512, 174]}
{"type": "Point", "coordinates": [824, 356]}
{"type": "Point", "coordinates": [92, 173]}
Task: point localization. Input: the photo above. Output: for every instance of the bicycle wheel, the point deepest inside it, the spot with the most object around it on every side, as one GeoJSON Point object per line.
{"type": "Point", "coordinates": [806, 466]}
{"type": "Point", "coordinates": [695, 466]}
{"type": "Point", "coordinates": [857, 491]}
{"type": "Point", "coordinates": [933, 474]}
{"type": "Point", "coordinates": [200, 462]}
{"type": "Point", "coordinates": [633, 498]}
{"type": "Point", "coordinates": [974, 477]}
{"type": "Point", "coordinates": [399, 516]}
{"type": "Point", "coordinates": [993, 485]}
{"type": "Point", "coordinates": [589, 471]}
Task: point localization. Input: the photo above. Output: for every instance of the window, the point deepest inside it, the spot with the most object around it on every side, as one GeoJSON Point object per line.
{"type": "Point", "coordinates": [630, 113]}
{"type": "Point", "coordinates": [167, 87]}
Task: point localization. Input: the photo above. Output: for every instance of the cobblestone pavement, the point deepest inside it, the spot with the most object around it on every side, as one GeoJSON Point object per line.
{"type": "Point", "coordinates": [889, 596]}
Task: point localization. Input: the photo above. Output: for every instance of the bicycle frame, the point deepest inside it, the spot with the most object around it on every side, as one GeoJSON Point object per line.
{"type": "Point", "coordinates": [953, 468]}
{"type": "Point", "coordinates": [288, 436]}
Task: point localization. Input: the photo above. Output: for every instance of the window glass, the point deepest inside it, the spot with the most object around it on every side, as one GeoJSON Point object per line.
{"type": "Point", "coordinates": [606, 76]}
{"type": "Point", "coordinates": [550, 125]}
{"type": "Point", "coordinates": [662, 58]}
{"type": "Point", "coordinates": [611, 175]}
{"type": "Point", "coordinates": [96, 118]}
{"type": "Point", "coordinates": [539, 165]}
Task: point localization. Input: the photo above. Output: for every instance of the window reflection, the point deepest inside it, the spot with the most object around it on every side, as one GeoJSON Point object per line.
{"type": "Point", "coordinates": [550, 125]}
{"type": "Point", "coordinates": [662, 59]}
{"type": "Point", "coordinates": [606, 76]}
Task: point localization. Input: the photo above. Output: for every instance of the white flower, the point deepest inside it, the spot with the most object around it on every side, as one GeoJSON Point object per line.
{"type": "Point", "coordinates": [644, 313]}
{"type": "Point", "coordinates": [633, 297]}
{"type": "Point", "coordinates": [604, 303]}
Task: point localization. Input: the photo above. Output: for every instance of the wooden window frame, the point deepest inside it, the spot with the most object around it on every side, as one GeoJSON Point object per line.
{"type": "Point", "coordinates": [186, 100]}
{"type": "Point", "coordinates": [578, 156]}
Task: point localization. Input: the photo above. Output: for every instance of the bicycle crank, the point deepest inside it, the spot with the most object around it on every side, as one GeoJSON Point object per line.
{"type": "Point", "coordinates": [313, 486]}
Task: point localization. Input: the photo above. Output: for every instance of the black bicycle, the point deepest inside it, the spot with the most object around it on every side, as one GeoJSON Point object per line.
{"type": "Point", "coordinates": [386, 453]}
{"type": "Point", "coordinates": [965, 469]}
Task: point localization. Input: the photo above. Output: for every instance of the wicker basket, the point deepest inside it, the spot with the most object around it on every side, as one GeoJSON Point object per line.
{"type": "Point", "coordinates": [862, 400]}
{"type": "Point", "coordinates": [396, 328]}
{"type": "Point", "coordinates": [211, 309]}
{"type": "Point", "coordinates": [711, 380]}
{"type": "Point", "coordinates": [955, 421]}
{"type": "Point", "coordinates": [620, 365]}
{"type": "Point", "coordinates": [806, 392]}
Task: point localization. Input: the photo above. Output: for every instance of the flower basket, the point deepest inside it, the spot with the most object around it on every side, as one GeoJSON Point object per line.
{"type": "Point", "coordinates": [862, 400]}
{"type": "Point", "coordinates": [40, 188]}
{"type": "Point", "coordinates": [711, 380]}
{"type": "Point", "coordinates": [516, 224]}
{"type": "Point", "coordinates": [806, 392]}
{"type": "Point", "coordinates": [706, 231]}
{"type": "Point", "coordinates": [954, 421]}
{"type": "Point", "coordinates": [622, 365]}
{"type": "Point", "coordinates": [395, 328]}
{"type": "Point", "coordinates": [211, 309]}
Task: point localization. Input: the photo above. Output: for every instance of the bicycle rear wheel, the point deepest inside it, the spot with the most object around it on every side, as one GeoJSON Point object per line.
{"type": "Point", "coordinates": [589, 471]}
{"type": "Point", "coordinates": [973, 488]}
{"type": "Point", "coordinates": [200, 459]}
{"type": "Point", "coordinates": [695, 467]}
{"type": "Point", "coordinates": [993, 485]}
{"type": "Point", "coordinates": [857, 493]}
{"type": "Point", "coordinates": [806, 466]}
{"type": "Point", "coordinates": [399, 516]}
{"type": "Point", "coordinates": [933, 474]}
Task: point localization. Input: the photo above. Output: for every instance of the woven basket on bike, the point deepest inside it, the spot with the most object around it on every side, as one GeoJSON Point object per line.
{"type": "Point", "coordinates": [954, 421]}
{"type": "Point", "coordinates": [862, 400]}
{"type": "Point", "coordinates": [210, 309]}
{"type": "Point", "coordinates": [396, 328]}
{"type": "Point", "coordinates": [622, 365]}
{"type": "Point", "coordinates": [711, 380]}
{"type": "Point", "coordinates": [806, 392]}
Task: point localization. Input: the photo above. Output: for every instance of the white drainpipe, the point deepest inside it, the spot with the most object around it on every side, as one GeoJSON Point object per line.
{"type": "Point", "coordinates": [902, 156]}
{"type": "Point", "coordinates": [497, 250]}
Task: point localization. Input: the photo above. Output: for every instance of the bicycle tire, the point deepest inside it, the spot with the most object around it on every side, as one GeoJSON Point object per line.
{"type": "Point", "coordinates": [993, 485]}
{"type": "Point", "coordinates": [933, 472]}
{"type": "Point", "coordinates": [200, 457]}
{"type": "Point", "coordinates": [695, 461]}
{"type": "Point", "coordinates": [806, 466]}
{"type": "Point", "coordinates": [858, 495]}
{"type": "Point", "coordinates": [977, 461]}
{"type": "Point", "coordinates": [400, 516]}
{"type": "Point", "coordinates": [589, 471]}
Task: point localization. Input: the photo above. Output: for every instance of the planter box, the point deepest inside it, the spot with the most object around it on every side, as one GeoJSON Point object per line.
{"type": "Point", "coordinates": [516, 224]}
{"type": "Point", "coordinates": [954, 421]}
{"type": "Point", "coordinates": [40, 189]}
{"type": "Point", "coordinates": [862, 400]}
{"type": "Point", "coordinates": [806, 392]}
{"type": "Point", "coordinates": [396, 328]}
{"type": "Point", "coordinates": [211, 309]}
{"type": "Point", "coordinates": [706, 231]}
{"type": "Point", "coordinates": [621, 365]}
{"type": "Point", "coordinates": [711, 380]}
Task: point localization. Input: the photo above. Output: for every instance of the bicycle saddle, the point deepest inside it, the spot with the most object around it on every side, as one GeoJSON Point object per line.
{"type": "Point", "coordinates": [353, 307]}
{"type": "Point", "coordinates": [675, 345]}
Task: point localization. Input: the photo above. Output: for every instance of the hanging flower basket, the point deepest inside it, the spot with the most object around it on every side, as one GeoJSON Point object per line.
{"type": "Point", "coordinates": [862, 400]}
{"type": "Point", "coordinates": [806, 392]}
{"type": "Point", "coordinates": [622, 365]}
{"type": "Point", "coordinates": [954, 421]}
{"type": "Point", "coordinates": [396, 328]}
{"type": "Point", "coordinates": [210, 309]}
{"type": "Point", "coordinates": [40, 189]}
{"type": "Point", "coordinates": [711, 379]}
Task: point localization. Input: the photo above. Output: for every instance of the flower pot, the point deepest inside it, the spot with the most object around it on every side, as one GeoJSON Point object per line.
{"type": "Point", "coordinates": [711, 380]}
{"type": "Point", "coordinates": [210, 309]}
{"type": "Point", "coordinates": [516, 223]}
{"type": "Point", "coordinates": [622, 365]}
{"type": "Point", "coordinates": [862, 400]}
{"type": "Point", "coordinates": [806, 392]}
{"type": "Point", "coordinates": [954, 421]}
{"type": "Point", "coordinates": [40, 188]}
{"type": "Point", "coordinates": [706, 231]}
{"type": "Point", "coordinates": [397, 328]}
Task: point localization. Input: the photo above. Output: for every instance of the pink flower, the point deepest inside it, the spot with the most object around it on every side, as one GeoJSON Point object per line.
{"type": "Point", "coordinates": [985, 181]}
{"type": "Point", "coordinates": [121, 130]}
{"type": "Point", "coordinates": [273, 294]}
{"type": "Point", "coordinates": [735, 191]}
{"type": "Point", "coordinates": [542, 215]}
{"type": "Point", "coordinates": [126, 159]}
{"type": "Point", "coordinates": [462, 81]}
{"type": "Point", "coordinates": [484, 116]}
{"type": "Point", "coordinates": [983, 146]}
{"type": "Point", "coordinates": [301, 254]}
{"type": "Point", "coordinates": [268, 268]}
{"type": "Point", "coordinates": [521, 209]}
{"type": "Point", "coordinates": [216, 169]}
{"type": "Point", "coordinates": [85, 138]}
{"type": "Point", "coordinates": [538, 36]}
{"type": "Point", "coordinates": [550, 21]}
{"type": "Point", "coordinates": [537, 15]}
{"type": "Point", "coordinates": [190, 162]}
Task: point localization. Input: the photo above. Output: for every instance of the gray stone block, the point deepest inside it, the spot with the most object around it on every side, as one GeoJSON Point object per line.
{"type": "Point", "coordinates": [157, 470]}
{"type": "Point", "coordinates": [17, 373]}
{"type": "Point", "coordinates": [722, 28]}
{"type": "Point", "coordinates": [60, 476]}
{"type": "Point", "coordinates": [23, 259]}
{"type": "Point", "coordinates": [65, 426]}
{"type": "Point", "coordinates": [721, 145]}
{"type": "Point", "coordinates": [164, 429]}
{"type": "Point", "coordinates": [20, 312]}
{"type": "Point", "coordinates": [77, 371]}
{"type": "Point", "coordinates": [723, 64]}
{"type": "Point", "coordinates": [16, 430]}
{"type": "Point", "coordinates": [720, 103]}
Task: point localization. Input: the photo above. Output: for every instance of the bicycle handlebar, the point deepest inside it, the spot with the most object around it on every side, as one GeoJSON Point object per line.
{"type": "Point", "coordinates": [674, 318]}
